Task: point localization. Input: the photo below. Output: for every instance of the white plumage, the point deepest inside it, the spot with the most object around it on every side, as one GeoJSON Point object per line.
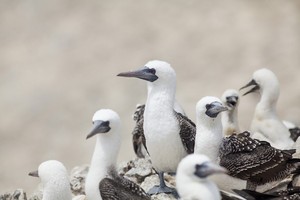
{"type": "Point", "coordinates": [266, 125]}
{"type": "Point", "coordinates": [188, 183]}
{"type": "Point", "coordinates": [105, 153]}
{"type": "Point", "coordinates": [103, 181]}
{"type": "Point", "coordinates": [208, 139]}
{"type": "Point", "coordinates": [160, 125]}
{"type": "Point", "coordinates": [169, 135]}
{"type": "Point", "coordinates": [55, 180]}
{"type": "Point", "coordinates": [230, 99]}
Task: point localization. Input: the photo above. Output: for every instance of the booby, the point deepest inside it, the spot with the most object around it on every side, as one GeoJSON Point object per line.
{"type": "Point", "coordinates": [230, 99]}
{"type": "Point", "coordinates": [192, 179]}
{"type": "Point", "coordinates": [209, 138]}
{"type": "Point", "coordinates": [254, 161]}
{"type": "Point", "coordinates": [169, 135]}
{"type": "Point", "coordinates": [55, 180]}
{"type": "Point", "coordinates": [266, 124]}
{"type": "Point", "coordinates": [103, 182]}
{"type": "Point", "coordinates": [138, 137]}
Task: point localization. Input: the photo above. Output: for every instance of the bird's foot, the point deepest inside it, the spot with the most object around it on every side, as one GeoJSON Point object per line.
{"type": "Point", "coordinates": [168, 190]}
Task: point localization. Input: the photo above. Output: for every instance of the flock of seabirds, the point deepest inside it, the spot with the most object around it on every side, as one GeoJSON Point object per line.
{"type": "Point", "coordinates": [248, 164]}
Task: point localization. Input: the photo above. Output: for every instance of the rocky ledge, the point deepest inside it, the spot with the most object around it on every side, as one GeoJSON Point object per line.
{"type": "Point", "coordinates": [138, 170]}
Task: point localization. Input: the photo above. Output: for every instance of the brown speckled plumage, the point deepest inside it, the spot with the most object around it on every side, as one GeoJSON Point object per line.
{"type": "Point", "coordinates": [117, 187]}
{"type": "Point", "coordinates": [289, 194]}
{"type": "Point", "coordinates": [187, 132]}
{"type": "Point", "coordinates": [255, 161]}
{"type": "Point", "coordinates": [138, 137]}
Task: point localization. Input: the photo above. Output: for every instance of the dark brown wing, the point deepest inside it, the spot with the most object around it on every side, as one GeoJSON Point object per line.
{"type": "Point", "coordinates": [289, 194]}
{"type": "Point", "coordinates": [256, 161]}
{"type": "Point", "coordinates": [138, 137]}
{"type": "Point", "coordinates": [120, 188]}
{"type": "Point", "coordinates": [187, 132]}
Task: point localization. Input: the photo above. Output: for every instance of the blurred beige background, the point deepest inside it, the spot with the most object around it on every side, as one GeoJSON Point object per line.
{"type": "Point", "coordinates": [59, 60]}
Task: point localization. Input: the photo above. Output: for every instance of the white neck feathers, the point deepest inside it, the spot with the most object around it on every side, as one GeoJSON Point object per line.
{"type": "Point", "coordinates": [105, 155]}
{"type": "Point", "coordinates": [208, 137]}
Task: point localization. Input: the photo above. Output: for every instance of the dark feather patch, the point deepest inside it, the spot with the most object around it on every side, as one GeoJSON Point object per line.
{"type": "Point", "coordinates": [120, 188]}
{"type": "Point", "coordinates": [255, 161]}
{"type": "Point", "coordinates": [289, 194]}
{"type": "Point", "coordinates": [138, 137]}
{"type": "Point", "coordinates": [187, 132]}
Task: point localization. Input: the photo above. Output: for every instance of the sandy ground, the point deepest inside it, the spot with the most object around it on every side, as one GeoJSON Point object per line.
{"type": "Point", "coordinates": [59, 60]}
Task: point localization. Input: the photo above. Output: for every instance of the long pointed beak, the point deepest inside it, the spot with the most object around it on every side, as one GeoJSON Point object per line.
{"type": "Point", "coordinates": [214, 109]}
{"type": "Point", "coordinates": [145, 73]}
{"type": "Point", "coordinates": [251, 83]}
{"type": "Point", "coordinates": [99, 127]}
{"type": "Point", "coordinates": [209, 168]}
{"type": "Point", "coordinates": [34, 173]}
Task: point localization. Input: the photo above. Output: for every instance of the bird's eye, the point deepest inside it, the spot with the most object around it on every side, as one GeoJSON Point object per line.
{"type": "Point", "coordinates": [152, 70]}
{"type": "Point", "coordinates": [208, 106]}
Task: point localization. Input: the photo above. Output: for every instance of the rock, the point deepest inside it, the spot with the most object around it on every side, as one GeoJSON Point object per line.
{"type": "Point", "coordinates": [77, 179]}
{"type": "Point", "coordinates": [152, 180]}
{"type": "Point", "coordinates": [163, 197]}
{"type": "Point", "coordinates": [18, 194]}
{"type": "Point", "coordinates": [138, 170]}
{"type": "Point", "coordinates": [36, 197]}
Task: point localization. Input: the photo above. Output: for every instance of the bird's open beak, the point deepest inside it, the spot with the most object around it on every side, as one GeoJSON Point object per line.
{"type": "Point", "coordinates": [99, 127]}
{"type": "Point", "coordinates": [232, 101]}
{"type": "Point", "coordinates": [145, 73]}
{"type": "Point", "coordinates": [251, 83]}
{"type": "Point", "coordinates": [34, 173]}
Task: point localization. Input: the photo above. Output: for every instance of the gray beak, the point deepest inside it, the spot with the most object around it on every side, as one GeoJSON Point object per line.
{"type": "Point", "coordinates": [214, 108]}
{"type": "Point", "coordinates": [232, 101]}
{"type": "Point", "coordinates": [99, 127]}
{"type": "Point", "coordinates": [208, 168]}
{"type": "Point", "coordinates": [255, 88]}
{"type": "Point", "coordinates": [145, 73]}
{"type": "Point", "coordinates": [34, 173]}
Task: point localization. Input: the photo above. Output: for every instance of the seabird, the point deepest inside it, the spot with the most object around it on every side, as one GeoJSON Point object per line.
{"type": "Point", "coordinates": [254, 161]}
{"type": "Point", "coordinates": [138, 137]}
{"type": "Point", "coordinates": [192, 179]}
{"type": "Point", "coordinates": [55, 180]}
{"type": "Point", "coordinates": [209, 138]}
{"type": "Point", "coordinates": [103, 182]}
{"type": "Point", "coordinates": [266, 124]}
{"type": "Point", "coordinates": [169, 135]}
{"type": "Point", "coordinates": [230, 99]}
